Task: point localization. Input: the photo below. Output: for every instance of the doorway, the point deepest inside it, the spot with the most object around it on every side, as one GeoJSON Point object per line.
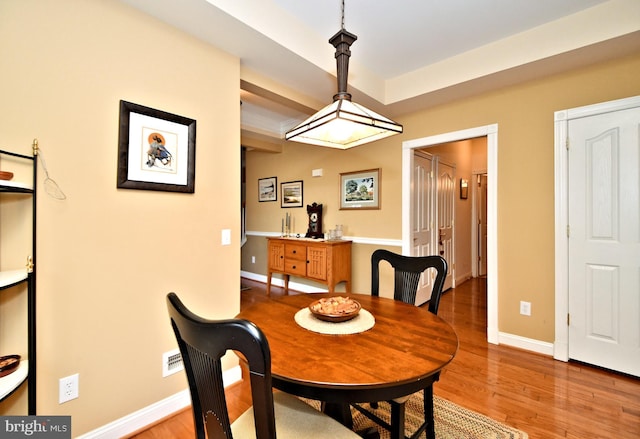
{"type": "Point", "coordinates": [408, 149]}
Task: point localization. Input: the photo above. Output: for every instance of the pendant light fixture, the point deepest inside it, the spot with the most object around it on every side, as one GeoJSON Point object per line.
{"type": "Point", "coordinates": [343, 124]}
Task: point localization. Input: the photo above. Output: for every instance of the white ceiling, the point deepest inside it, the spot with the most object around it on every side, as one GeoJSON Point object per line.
{"type": "Point", "coordinates": [400, 36]}
{"type": "Point", "coordinates": [410, 53]}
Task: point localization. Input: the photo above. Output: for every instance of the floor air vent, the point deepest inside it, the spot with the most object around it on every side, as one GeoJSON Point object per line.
{"type": "Point", "coordinates": [171, 362]}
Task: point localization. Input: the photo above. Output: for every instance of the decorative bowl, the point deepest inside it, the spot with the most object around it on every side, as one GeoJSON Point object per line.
{"type": "Point", "coordinates": [8, 364]}
{"type": "Point", "coordinates": [335, 309]}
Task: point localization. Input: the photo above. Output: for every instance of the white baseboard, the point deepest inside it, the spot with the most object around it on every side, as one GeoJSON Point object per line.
{"type": "Point", "coordinates": [463, 278]}
{"type": "Point", "coordinates": [149, 415]}
{"type": "Point", "coordinates": [529, 344]}
{"type": "Point", "coordinates": [279, 282]}
{"type": "Point", "coordinates": [253, 276]}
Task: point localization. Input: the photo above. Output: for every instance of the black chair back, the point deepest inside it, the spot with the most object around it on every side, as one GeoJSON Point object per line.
{"type": "Point", "coordinates": [407, 272]}
{"type": "Point", "coordinates": [202, 343]}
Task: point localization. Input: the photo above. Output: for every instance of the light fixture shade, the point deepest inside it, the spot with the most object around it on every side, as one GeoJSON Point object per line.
{"type": "Point", "coordinates": [343, 124]}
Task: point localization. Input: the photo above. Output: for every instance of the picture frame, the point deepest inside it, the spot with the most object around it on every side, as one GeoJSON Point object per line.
{"type": "Point", "coordinates": [464, 189]}
{"type": "Point", "coordinates": [291, 194]}
{"type": "Point", "coordinates": [156, 150]}
{"type": "Point", "coordinates": [360, 190]}
{"type": "Point", "coordinates": [268, 189]}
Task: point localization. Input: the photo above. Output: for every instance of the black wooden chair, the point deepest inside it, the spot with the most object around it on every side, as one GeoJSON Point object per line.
{"type": "Point", "coordinates": [202, 343]}
{"type": "Point", "coordinates": [407, 272]}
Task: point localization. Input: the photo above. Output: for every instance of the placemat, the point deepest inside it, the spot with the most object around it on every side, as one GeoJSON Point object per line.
{"type": "Point", "coordinates": [360, 323]}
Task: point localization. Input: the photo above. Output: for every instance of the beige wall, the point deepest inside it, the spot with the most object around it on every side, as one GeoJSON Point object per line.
{"type": "Point", "coordinates": [296, 163]}
{"type": "Point", "coordinates": [524, 114]}
{"type": "Point", "coordinates": [106, 256]}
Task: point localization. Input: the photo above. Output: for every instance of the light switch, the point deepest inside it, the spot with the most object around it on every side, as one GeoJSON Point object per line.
{"type": "Point", "coordinates": [226, 236]}
{"type": "Point", "coordinates": [316, 172]}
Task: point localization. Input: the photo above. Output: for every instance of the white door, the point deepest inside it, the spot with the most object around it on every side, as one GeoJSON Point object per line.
{"type": "Point", "coordinates": [481, 208]}
{"type": "Point", "coordinates": [604, 240]}
{"type": "Point", "coordinates": [422, 225]}
{"type": "Point", "coordinates": [446, 186]}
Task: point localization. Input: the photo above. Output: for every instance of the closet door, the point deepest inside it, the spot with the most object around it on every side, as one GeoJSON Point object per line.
{"type": "Point", "coordinates": [604, 240]}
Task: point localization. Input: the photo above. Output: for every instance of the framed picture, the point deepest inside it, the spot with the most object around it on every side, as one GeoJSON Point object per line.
{"type": "Point", "coordinates": [360, 189]}
{"type": "Point", "coordinates": [268, 189]}
{"type": "Point", "coordinates": [156, 150]}
{"type": "Point", "coordinates": [464, 189]}
{"type": "Point", "coordinates": [291, 194]}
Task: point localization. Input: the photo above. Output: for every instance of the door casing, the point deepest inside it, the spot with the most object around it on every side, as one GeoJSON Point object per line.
{"type": "Point", "coordinates": [491, 132]}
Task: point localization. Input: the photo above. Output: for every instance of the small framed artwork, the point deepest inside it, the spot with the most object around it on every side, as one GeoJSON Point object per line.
{"type": "Point", "coordinates": [291, 195]}
{"type": "Point", "coordinates": [156, 150]}
{"type": "Point", "coordinates": [464, 189]}
{"type": "Point", "coordinates": [360, 189]}
{"type": "Point", "coordinates": [268, 189]}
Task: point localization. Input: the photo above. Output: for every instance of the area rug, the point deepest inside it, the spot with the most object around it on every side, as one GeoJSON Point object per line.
{"type": "Point", "coordinates": [451, 421]}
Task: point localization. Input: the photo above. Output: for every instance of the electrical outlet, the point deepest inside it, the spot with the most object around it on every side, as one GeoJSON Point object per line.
{"type": "Point", "coordinates": [525, 308]}
{"type": "Point", "coordinates": [68, 388]}
{"type": "Point", "coordinates": [253, 259]}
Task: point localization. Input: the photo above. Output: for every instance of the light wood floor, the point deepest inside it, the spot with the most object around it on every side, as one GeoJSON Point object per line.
{"type": "Point", "coordinates": [546, 398]}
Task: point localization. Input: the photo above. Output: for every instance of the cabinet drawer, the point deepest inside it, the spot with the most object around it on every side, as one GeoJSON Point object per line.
{"type": "Point", "coordinates": [295, 267]}
{"type": "Point", "coordinates": [295, 251]}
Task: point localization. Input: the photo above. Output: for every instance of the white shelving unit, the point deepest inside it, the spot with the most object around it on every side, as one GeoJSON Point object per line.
{"type": "Point", "coordinates": [18, 192]}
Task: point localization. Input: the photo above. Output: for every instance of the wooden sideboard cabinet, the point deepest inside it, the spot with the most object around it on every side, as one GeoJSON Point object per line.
{"type": "Point", "coordinates": [328, 262]}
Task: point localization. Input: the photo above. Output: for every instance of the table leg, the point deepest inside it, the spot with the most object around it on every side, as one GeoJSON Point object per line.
{"type": "Point", "coordinates": [428, 412]}
{"type": "Point", "coordinates": [269, 283]}
{"type": "Point", "coordinates": [286, 284]}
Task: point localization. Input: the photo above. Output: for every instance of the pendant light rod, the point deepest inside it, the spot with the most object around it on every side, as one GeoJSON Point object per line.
{"type": "Point", "coordinates": [342, 41]}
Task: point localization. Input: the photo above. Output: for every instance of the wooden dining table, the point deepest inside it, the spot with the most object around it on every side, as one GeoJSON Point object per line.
{"type": "Point", "coordinates": [401, 354]}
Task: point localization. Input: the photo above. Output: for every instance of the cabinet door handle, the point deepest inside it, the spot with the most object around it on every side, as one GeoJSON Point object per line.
{"type": "Point", "coordinates": [294, 267]}
{"type": "Point", "coordinates": [294, 252]}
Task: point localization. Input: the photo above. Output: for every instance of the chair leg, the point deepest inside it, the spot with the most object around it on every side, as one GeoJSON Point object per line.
{"type": "Point", "coordinates": [428, 412]}
{"type": "Point", "coordinates": [397, 420]}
